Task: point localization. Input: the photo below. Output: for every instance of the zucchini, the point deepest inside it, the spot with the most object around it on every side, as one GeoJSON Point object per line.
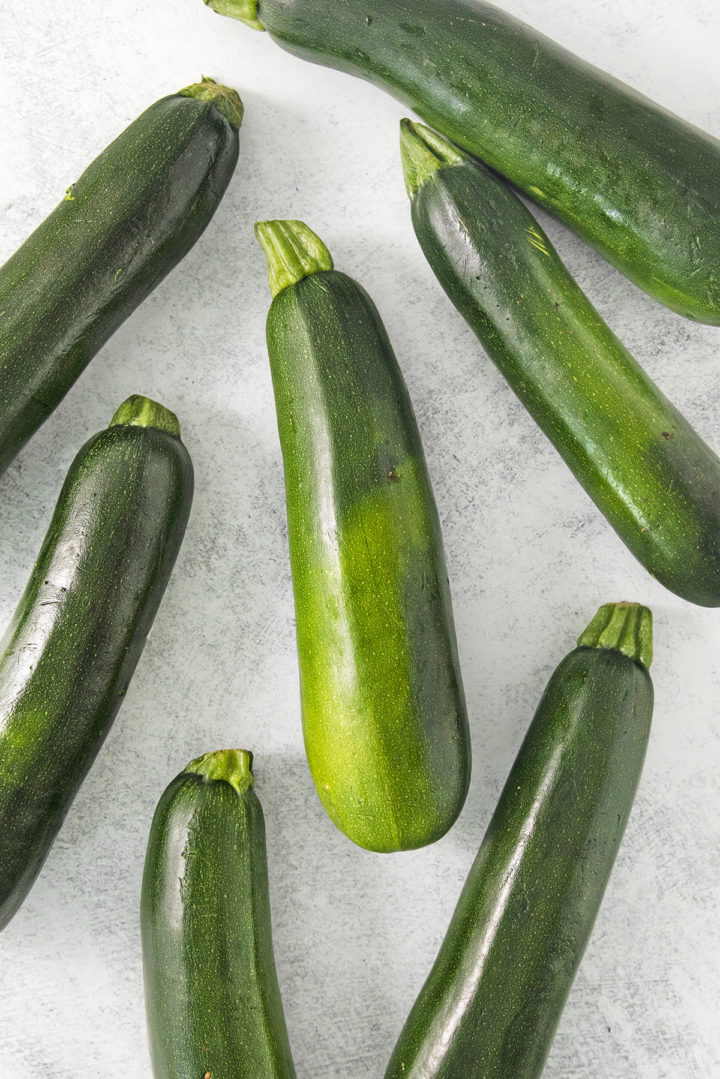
{"type": "Point", "coordinates": [211, 991]}
{"type": "Point", "coordinates": [132, 215]}
{"type": "Point", "coordinates": [640, 461]}
{"type": "Point", "coordinates": [78, 632]}
{"type": "Point", "coordinates": [633, 180]}
{"type": "Point", "coordinates": [493, 999]}
{"type": "Point", "coordinates": [383, 708]}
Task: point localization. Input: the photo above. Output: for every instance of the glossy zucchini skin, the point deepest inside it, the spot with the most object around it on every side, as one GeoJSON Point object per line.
{"type": "Point", "coordinates": [130, 218]}
{"type": "Point", "coordinates": [383, 708]}
{"type": "Point", "coordinates": [648, 471]}
{"type": "Point", "coordinates": [492, 1002]}
{"type": "Point", "coordinates": [211, 991]}
{"type": "Point", "coordinates": [633, 180]}
{"type": "Point", "coordinates": [81, 625]}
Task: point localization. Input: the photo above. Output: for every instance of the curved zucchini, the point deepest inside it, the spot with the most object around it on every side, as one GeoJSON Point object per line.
{"type": "Point", "coordinates": [382, 701]}
{"type": "Point", "coordinates": [493, 999]}
{"type": "Point", "coordinates": [80, 628]}
{"type": "Point", "coordinates": [640, 461]}
{"type": "Point", "coordinates": [635, 181]}
{"type": "Point", "coordinates": [211, 991]}
{"type": "Point", "coordinates": [133, 214]}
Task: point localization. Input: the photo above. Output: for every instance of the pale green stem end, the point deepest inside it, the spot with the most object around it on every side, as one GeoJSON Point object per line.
{"type": "Point", "coordinates": [623, 627]}
{"type": "Point", "coordinates": [224, 98]}
{"type": "Point", "coordinates": [292, 250]}
{"type": "Point", "coordinates": [244, 10]}
{"type": "Point", "coordinates": [139, 411]}
{"type": "Point", "coordinates": [233, 766]}
{"type": "Point", "coordinates": [423, 152]}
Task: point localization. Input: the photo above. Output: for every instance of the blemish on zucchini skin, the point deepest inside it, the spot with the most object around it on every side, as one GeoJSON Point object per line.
{"type": "Point", "coordinates": [412, 29]}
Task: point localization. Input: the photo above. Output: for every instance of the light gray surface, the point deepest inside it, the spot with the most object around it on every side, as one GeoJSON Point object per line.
{"type": "Point", "coordinates": [529, 557]}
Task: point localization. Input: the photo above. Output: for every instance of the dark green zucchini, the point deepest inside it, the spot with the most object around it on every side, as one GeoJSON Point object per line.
{"type": "Point", "coordinates": [382, 701]}
{"type": "Point", "coordinates": [78, 632]}
{"type": "Point", "coordinates": [132, 215]}
{"type": "Point", "coordinates": [493, 999]}
{"type": "Point", "coordinates": [640, 461]}
{"type": "Point", "coordinates": [211, 991]}
{"type": "Point", "coordinates": [635, 181]}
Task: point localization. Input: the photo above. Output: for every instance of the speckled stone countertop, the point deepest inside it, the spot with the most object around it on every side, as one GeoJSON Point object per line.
{"type": "Point", "coordinates": [529, 556]}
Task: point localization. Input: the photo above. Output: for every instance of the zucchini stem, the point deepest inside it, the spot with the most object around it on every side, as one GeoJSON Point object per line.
{"type": "Point", "coordinates": [423, 152]}
{"type": "Point", "coordinates": [224, 98]}
{"type": "Point", "coordinates": [139, 411]}
{"type": "Point", "coordinates": [233, 766]}
{"type": "Point", "coordinates": [292, 250]}
{"type": "Point", "coordinates": [623, 627]}
{"type": "Point", "coordinates": [244, 10]}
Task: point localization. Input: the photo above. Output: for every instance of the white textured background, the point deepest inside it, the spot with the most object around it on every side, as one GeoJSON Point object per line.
{"type": "Point", "coordinates": [529, 557]}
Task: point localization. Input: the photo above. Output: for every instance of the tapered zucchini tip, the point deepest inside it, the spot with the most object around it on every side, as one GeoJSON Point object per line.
{"type": "Point", "coordinates": [233, 766]}
{"type": "Point", "coordinates": [139, 411]}
{"type": "Point", "coordinates": [622, 627]}
{"type": "Point", "coordinates": [224, 98]}
{"type": "Point", "coordinates": [423, 152]}
{"type": "Point", "coordinates": [292, 250]}
{"type": "Point", "coordinates": [244, 10]}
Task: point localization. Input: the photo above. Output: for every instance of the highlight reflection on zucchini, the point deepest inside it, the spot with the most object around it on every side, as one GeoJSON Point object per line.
{"type": "Point", "coordinates": [493, 999]}
{"type": "Point", "coordinates": [81, 625]}
{"type": "Point", "coordinates": [382, 701]}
